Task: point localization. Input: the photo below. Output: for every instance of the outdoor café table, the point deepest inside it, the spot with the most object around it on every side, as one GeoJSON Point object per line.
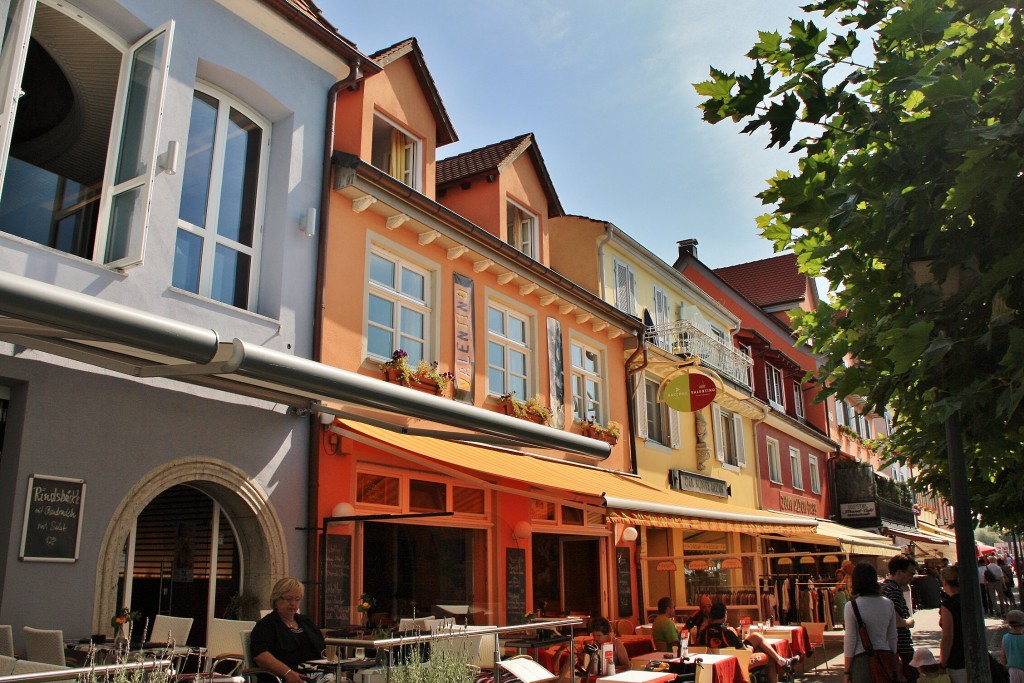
{"type": "Point", "coordinates": [796, 635]}
{"type": "Point", "coordinates": [724, 668]}
{"type": "Point", "coordinates": [639, 677]}
{"type": "Point", "coordinates": [780, 645]}
{"type": "Point", "coordinates": [635, 645]}
{"type": "Point", "coordinates": [543, 653]}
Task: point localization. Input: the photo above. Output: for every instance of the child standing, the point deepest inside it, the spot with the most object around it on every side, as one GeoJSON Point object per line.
{"type": "Point", "coordinates": [1012, 654]}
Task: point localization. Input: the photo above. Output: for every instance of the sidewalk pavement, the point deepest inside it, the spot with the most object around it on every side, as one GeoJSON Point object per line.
{"type": "Point", "coordinates": [926, 633]}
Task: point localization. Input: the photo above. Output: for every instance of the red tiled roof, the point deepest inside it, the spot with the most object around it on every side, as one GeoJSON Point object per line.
{"type": "Point", "coordinates": [495, 158]}
{"type": "Point", "coordinates": [308, 17]}
{"type": "Point", "coordinates": [768, 282]}
{"type": "Point", "coordinates": [444, 130]}
{"type": "Point", "coordinates": [477, 161]}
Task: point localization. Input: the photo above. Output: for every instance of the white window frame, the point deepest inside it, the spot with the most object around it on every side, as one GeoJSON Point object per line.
{"type": "Point", "coordinates": [661, 314]}
{"type": "Point", "coordinates": [661, 412]}
{"type": "Point", "coordinates": [625, 287]}
{"type": "Point", "coordinates": [580, 376]}
{"type": "Point", "coordinates": [773, 387]}
{"type": "Point", "coordinates": [727, 425]}
{"type": "Point", "coordinates": [411, 174]}
{"type": "Point", "coordinates": [401, 300]}
{"type": "Point", "coordinates": [748, 351]}
{"type": "Point", "coordinates": [798, 399]}
{"type": "Point", "coordinates": [796, 466]}
{"type": "Point", "coordinates": [814, 472]}
{"type": "Point", "coordinates": [209, 233]}
{"type": "Point", "coordinates": [507, 343]}
{"type": "Point", "coordinates": [12, 66]}
{"type": "Point", "coordinates": [840, 413]}
{"type": "Point", "coordinates": [774, 461]}
{"type": "Point", "coordinates": [524, 233]}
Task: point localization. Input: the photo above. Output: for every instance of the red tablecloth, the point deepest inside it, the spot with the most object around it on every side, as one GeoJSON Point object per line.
{"type": "Point", "coordinates": [635, 645]}
{"type": "Point", "coordinates": [724, 668]}
{"type": "Point", "coordinates": [796, 635]}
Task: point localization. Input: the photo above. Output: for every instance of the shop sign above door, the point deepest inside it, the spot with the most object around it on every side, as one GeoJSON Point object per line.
{"type": "Point", "coordinates": [681, 480]}
{"type": "Point", "coordinates": [689, 392]}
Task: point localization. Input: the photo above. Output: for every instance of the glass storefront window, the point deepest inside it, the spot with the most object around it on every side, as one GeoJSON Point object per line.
{"type": "Point", "coordinates": [377, 489]}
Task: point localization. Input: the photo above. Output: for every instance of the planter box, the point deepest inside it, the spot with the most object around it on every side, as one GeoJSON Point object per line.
{"type": "Point", "coordinates": [425, 385]}
{"type": "Point", "coordinates": [508, 408]}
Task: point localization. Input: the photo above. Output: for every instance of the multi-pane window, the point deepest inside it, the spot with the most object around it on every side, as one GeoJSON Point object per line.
{"type": "Point", "coordinates": [798, 399]}
{"type": "Point", "coordinates": [796, 467]}
{"type": "Point", "coordinates": [395, 152]}
{"type": "Point", "coordinates": [398, 308]}
{"type": "Point", "coordinates": [812, 466]}
{"type": "Point", "coordinates": [508, 351]}
{"type": "Point", "coordinates": [773, 377]}
{"type": "Point", "coordinates": [521, 230]}
{"type": "Point", "coordinates": [728, 431]}
{"type": "Point", "coordinates": [78, 134]}
{"type": "Point", "coordinates": [774, 462]}
{"type": "Point", "coordinates": [747, 351]}
{"type": "Point", "coordinates": [658, 421]}
{"type": "Point", "coordinates": [841, 413]}
{"type": "Point", "coordinates": [217, 249]}
{"type": "Point", "coordinates": [587, 383]}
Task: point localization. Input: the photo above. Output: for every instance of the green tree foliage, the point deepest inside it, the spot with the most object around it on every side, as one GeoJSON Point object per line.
{"type": "Point", "coordinates": [908, 200]}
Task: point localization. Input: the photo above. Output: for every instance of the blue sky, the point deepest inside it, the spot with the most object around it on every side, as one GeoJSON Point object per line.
{"type": "Point", "coordinates": [605, 87]}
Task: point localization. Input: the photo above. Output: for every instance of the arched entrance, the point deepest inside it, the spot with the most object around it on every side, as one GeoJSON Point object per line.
{"type": "Point", "coordinates": [220, 491]}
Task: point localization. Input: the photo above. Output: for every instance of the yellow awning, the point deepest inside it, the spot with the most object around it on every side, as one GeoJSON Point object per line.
{"type": "Point", "coordinates": [850, 540]}
{"type": "Point", "coordinates": [634, 501]}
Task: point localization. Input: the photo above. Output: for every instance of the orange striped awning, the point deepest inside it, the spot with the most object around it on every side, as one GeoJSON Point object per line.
{"type": "Point", "coordinates": [629, 499]}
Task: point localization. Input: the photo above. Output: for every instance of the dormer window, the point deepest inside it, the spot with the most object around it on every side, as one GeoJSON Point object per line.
{"type": "Point", "coordinates": [522, 230]}
{"type": "Point", "coordinates": [395, 151]}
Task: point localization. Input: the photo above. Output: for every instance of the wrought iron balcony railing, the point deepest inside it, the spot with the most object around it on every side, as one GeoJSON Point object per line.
{"type": "Point", "coordinates": [687, 336]}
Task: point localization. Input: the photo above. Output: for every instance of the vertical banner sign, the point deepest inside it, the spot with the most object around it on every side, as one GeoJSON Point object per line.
{"type": "Point", "coordinates": [556, 374]}
{"type": "Point", "coordinates": [53, 519]}
{"type": "Point", "coordinates": [465, 362]}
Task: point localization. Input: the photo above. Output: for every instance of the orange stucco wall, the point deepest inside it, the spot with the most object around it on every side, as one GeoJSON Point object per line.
{"type": "Point", "coordinates": [567, 237]}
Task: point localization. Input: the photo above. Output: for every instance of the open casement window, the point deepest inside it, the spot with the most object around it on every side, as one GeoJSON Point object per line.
{"type": "Point", "coordinates": [587, 383]}
{"type": "Point", "coordinates": [727, 427]}
{"type": "Point", "coordinates": [773, 380]}
{"type": "Point", "coordinates": [798, 399]}
{"type": "Point", "coordinates": [797, 468]}
{"type": "Point", "coordinates": [80, 124]}
{"type": "Point", "coordinates": [521, 229]}
{"type": "Point", "coordinates": [625, 288]}
{"type": "Point", "coordinates": [220, 219]}
{"type": "Point", "coordinates": [774, 461]}
{"type": "Point", "coordinates": [661, 315]}
{"type": "Point", "coordinates": [395, 151]}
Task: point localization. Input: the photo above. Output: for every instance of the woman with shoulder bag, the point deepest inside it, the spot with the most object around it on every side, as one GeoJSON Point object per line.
{"type": "Point", "coordinates": [872, 618]}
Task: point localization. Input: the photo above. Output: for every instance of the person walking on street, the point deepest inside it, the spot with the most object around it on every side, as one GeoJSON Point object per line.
{"type": "Point", "coordinates": [994, 585]}
{"type": "Point", "coordinates": [879, 617]}
{"type": "Point", "coordinates": [1007, 582]}
{"type": "Point", "coordinates": [985, 602]}
{"type": "Point", "coordinates": [1012, 652]}
{"type": "Point", "coordinates": [901, 572]}
{"type": "Point", "coordinates": [951, 646]}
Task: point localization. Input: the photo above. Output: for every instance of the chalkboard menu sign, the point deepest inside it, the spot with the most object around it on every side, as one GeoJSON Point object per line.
{"type": "Point", "coordinates": [623, 578]}
{"type": "Point", "coordinates": [515, 585]}
{"type": "Point", "coordinates": [53, 519]}
{"type": "Point", "coordinates": [337, 580]}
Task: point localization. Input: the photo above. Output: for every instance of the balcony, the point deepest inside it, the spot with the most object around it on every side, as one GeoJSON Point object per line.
{"type": "Point", "coordinates": [689, 337]}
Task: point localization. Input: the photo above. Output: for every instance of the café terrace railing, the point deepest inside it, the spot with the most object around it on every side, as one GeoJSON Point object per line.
{"type": "Point", "coordinates": [101, 673]}
{"type": "Point", "coordinates": [689, 337]}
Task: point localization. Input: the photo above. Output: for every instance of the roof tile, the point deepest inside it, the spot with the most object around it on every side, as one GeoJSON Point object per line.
{"type": "Point", "coordinates": [768, 282]}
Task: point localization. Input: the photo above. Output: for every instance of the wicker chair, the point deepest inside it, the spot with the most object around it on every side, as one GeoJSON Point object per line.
{"type": "Point", "coordinates": [44, 646]}
{"type": "Point", "coordinates": [6, 641]}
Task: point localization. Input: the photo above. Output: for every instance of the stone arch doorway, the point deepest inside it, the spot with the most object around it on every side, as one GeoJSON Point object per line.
{"type": "Point", "coordinates": [261, 548]}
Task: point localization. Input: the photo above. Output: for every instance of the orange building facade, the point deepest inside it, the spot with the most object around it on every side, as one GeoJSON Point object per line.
{"type": "Point", "coordinates": [440, 267]}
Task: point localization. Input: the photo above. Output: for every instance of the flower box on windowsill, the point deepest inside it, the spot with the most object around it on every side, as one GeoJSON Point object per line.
{"type": "Point", "coordinates": [532, 409]}
{"type": "Point", "coordinates": [594, 431]}
{"type": "Point", "coordinates": [508, 408]}
{"type": "Point", "coordinates": [428, 386]}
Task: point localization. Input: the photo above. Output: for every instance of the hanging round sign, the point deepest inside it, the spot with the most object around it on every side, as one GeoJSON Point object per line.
{"type": "Point", "coordinates": [690, 392]}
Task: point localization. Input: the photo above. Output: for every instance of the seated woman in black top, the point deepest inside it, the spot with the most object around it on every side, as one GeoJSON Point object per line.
{"type": "Point", "coordinates": [720, 634]}
{"type": "Point", "coordinates": [284, 639]}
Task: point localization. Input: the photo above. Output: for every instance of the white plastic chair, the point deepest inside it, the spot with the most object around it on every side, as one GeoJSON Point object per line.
{"type": "Point", "coordinates": [168, 629]}
{"type": "Point", "coordinates": [6, 640]}
{"type": "Point", "coordinates": [46, 646]}
{"type": "Point", "coordinates": [222, 643]}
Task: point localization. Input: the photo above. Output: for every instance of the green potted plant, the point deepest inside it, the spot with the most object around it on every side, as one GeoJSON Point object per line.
{"type": "Point", "coordinates": [610, 433]}
{"type": "Point", "coordinates": [531, 409]}
{"type": "Point", "coordinates": [423, 375]}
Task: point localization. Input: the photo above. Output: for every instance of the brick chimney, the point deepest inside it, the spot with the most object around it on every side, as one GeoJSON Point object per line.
{"type": "Point", "coordinates": [687, 247]}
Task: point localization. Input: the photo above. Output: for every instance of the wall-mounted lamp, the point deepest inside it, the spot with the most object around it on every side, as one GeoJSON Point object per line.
{"type": "Point", "coordinates": [343, 510]}
{"type": "Point", "coordinates": [629, 534]}
{"type": "Point", "coordinates": [168, 161]}
{"type": "Point", "coordinates": [327, 419]}
{"type": "Point", "coordinates": [522, 530]}
{"type": "Point", "coordinates": [308, 225]}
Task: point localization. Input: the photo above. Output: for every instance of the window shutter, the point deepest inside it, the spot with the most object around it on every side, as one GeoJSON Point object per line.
{"type": "Point", "coordinates": [641, 404]}
{"type": "Point", "coordinates": [625, 288]}
{"type": "Point", "coordinates": [132, 153]}
{"type": "Point", "coordinates": [674, 440]}
{"type": "Point", "coordinates": [741, 451]}
{"type": "Point", "coordinates": [716, 431]}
